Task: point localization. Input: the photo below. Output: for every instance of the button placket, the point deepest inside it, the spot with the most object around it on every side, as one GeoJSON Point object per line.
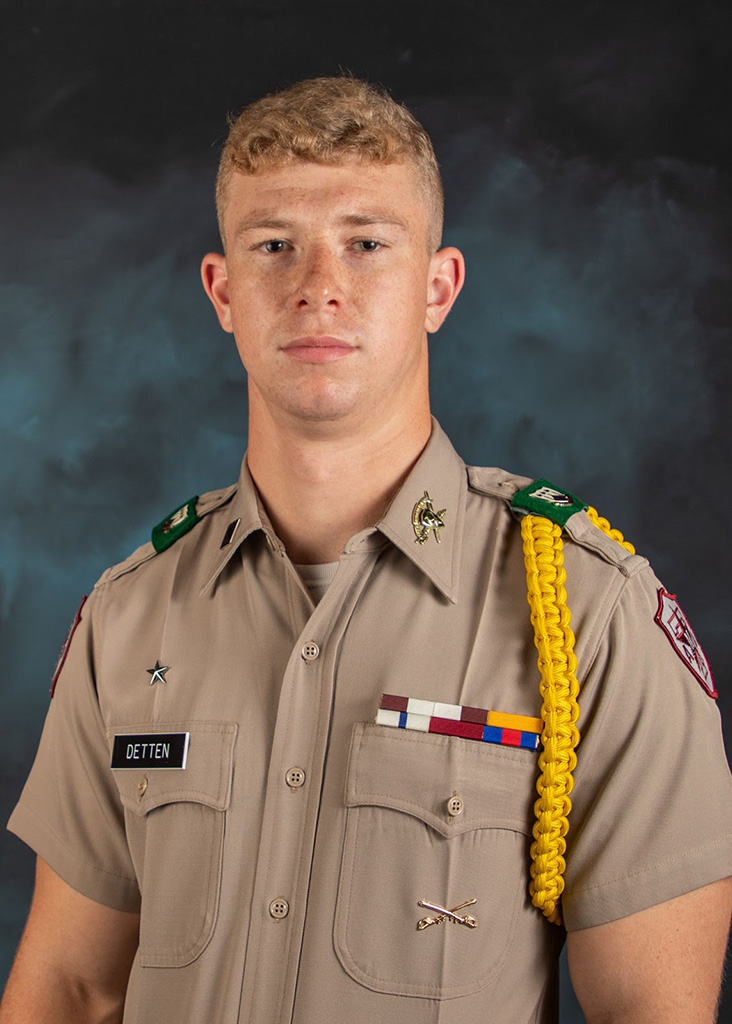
{"type": "Point", "coordinates": [289, 823]}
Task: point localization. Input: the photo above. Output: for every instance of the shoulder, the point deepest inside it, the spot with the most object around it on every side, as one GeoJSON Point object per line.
{"type": "Point", "coordinates": [581, 524]}
{"type": "Point", "coordinates": [182, 520]}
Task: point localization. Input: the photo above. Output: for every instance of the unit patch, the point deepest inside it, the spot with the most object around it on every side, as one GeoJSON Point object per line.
{"type": "Point", "coordinates": [65, 648]}
{"type": "Point", "coordinates": [457, 720]}
{"type": "Point", "coordinates": [676, 626]}
{"type": "Point", "coordinates": [151, 750]}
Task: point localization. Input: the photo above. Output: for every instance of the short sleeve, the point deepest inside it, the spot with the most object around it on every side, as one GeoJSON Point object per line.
{"type": "Point", "coordinates": [69, 811]}
{"type": "Point", "coordinates": [652, 802]}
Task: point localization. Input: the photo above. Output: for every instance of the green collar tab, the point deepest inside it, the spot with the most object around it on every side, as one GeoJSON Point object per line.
{"type": "Point", "coordinates": [544, 499]}
{"type": "Point", "coordinates": [175, 525]}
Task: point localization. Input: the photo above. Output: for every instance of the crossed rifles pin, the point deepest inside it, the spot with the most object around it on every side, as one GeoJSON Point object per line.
{"type": "Point", "coordinates": [443, 914]}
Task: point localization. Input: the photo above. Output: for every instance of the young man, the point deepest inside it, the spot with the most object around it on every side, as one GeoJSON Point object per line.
{"type": "Point", "coordinates": [296, 739]}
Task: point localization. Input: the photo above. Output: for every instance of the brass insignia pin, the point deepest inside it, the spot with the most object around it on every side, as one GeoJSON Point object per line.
{"type": "Point", "coordinates": [443, 914]}
{"type": "Point", "coordinates": [158, 673]}
{"type": "Point", "coordinates": [426, 519]}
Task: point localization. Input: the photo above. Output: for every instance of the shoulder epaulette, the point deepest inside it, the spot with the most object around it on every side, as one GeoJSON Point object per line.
{"type": "Point", "coordinates": [180, 521]}
{"type": "Point", "coordinates": [167, 532]}
{"type": "Point", "coordinates": [544, 499]}
{"type": "Point", "coordinates": [185, 517]}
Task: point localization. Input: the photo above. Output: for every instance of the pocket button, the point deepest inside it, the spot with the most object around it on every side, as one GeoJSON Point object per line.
{"type": "Point", "coordinates": [141, 787]}
{"type": "Point", "coordinates": [455, 805]}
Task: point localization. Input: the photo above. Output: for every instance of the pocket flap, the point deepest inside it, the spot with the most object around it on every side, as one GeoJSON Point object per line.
{"type": "Point", "coordinates": [418, 773]}
{"type": "Point", "coordinates": [206, 779]}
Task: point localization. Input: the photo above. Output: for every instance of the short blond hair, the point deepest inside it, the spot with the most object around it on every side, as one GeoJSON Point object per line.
{"type": "Point", "coordinates": [330, 121]}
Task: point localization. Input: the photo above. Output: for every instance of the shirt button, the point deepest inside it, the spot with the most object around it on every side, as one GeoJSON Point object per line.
{"type": "Point", "coordinates": [310, 651]}
{"type": "Point", "coordinates": [295, 777]}
{"type": "Point", "coordinates": [455, 805]}
{"type": "Point", "coordinates": [141, 787]}
{"type": "Point", "coordinates": [279, 908]}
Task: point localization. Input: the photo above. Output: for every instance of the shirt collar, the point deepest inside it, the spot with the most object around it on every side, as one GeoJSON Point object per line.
{"type": "Point", "coordinates": [438, 475]}
{"type": "Point", "coordinates": [245, 516]}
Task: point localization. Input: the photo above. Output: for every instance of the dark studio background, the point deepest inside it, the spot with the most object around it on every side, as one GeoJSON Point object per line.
{"type": "Point", "coordinates": [587, 156]}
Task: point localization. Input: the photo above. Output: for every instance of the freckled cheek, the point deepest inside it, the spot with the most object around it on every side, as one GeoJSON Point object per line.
{"type": "Point", "coordinates": [256, 302]}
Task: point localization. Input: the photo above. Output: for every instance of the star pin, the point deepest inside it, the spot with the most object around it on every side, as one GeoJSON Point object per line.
{"type": "Point", "coordinates": [158, 673]}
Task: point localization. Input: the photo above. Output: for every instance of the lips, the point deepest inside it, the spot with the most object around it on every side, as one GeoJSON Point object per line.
{"type": "Point", "coordinates": [322, 349]}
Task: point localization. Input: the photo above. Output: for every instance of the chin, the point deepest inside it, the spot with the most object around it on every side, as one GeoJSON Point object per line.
{"type": "Point", "coordinates": [321, 413]}
{"type": "Point", "coordinates": [326, 407]}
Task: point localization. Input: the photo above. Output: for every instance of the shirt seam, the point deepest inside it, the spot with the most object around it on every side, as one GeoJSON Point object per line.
{"type": "Point", "coordinates": [601, 630]}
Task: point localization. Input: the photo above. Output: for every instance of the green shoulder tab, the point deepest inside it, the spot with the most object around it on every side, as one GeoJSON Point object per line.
{"type": "Point", "coordinates": [544, 499]}
{"type": "Point", "coordinates": [175, 525]}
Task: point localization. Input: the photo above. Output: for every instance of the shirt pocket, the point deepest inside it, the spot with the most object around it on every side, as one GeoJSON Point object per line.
{"type": "Point", "coordinates": [175, 821]}
{"type": "Point", "coordinates": [402, 844]}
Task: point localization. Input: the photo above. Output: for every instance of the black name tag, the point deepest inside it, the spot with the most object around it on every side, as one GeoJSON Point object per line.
{"type": "Point", "coordinates": [151, 750]}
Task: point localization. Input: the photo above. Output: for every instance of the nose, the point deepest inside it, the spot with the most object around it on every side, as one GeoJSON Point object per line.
{"type": "Point", "coordinates": [320, 283]}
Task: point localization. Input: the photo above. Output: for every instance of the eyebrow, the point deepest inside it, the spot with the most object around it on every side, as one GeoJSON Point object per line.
{"type": "Point", "coordinates": [355, 220]}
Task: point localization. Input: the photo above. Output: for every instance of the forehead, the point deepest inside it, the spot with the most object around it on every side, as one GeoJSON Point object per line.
{"type": "Point", "coordinates": [322, 192]}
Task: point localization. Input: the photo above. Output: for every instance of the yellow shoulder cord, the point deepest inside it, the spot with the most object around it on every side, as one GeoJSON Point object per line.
{"type": "Point", "coordinates": [554, 639]}
{"type": "Point", "coordinates": [604, 525]}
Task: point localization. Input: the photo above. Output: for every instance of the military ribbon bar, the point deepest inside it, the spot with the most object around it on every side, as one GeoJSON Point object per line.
{"type": "Point", "coordinates": [458, 720]}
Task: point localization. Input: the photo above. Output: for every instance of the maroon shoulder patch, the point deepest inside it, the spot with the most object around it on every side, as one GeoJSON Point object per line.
{"type": "Point", "coordinates": [65, 648]}
{"type": "Point", "coordinates": [676, 626]}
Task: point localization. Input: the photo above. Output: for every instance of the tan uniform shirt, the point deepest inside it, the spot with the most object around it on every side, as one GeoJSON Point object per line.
{"type": "Point", "coordinates": [278, 874]}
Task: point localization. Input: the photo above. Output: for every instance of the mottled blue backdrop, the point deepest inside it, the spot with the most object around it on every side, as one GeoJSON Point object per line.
{"type": "Point", "coordinates": [587, 163]}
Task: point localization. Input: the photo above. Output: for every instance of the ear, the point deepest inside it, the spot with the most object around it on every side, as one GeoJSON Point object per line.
{"type": "Point", "coordinates": [446, 277]}
{"type": "Point", "coordinates": [216, 285]}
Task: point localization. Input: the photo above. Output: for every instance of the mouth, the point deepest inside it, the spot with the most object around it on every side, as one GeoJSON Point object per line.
{"type": "Point", "coordinates": [320, 349]}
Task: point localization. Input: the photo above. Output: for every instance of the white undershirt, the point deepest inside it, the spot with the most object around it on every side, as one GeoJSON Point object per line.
{"type": "Point", "coordinates": [317, 578]}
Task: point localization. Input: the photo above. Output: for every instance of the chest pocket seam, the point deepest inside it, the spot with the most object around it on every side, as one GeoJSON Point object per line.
{"type": "Point", "coordinates": [176, 829]}
{"type": "Point", "coordinates": [388, 865]}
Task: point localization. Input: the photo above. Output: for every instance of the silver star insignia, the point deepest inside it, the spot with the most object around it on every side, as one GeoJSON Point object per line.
{"type": "Point", "coordinates": [158, 673]}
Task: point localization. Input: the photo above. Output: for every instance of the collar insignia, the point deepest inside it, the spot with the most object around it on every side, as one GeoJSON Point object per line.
{"type": "Point", "coordinates": [426, 519]}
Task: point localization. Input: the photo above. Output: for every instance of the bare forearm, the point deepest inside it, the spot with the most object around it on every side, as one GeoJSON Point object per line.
{"type": "Point", "coordinates": [54, 999]}
{"type": "Point", "coordinates": [655, 1015]}
{"type": "Point", "coordinates": [662, 965]}
{"type": "Point", "coordinates": [74, 959]}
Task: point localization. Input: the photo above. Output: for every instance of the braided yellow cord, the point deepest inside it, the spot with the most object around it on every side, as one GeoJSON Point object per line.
{"type": "Point", "coordinates": [554, 640]}
{"type": "Point", "coordinates": [605, 526]}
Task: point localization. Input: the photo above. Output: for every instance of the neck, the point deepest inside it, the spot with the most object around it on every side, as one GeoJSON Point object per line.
{"type": "Point", "coordinates": [322, 486]}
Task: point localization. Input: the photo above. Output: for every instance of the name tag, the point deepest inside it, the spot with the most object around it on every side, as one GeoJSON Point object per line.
{"type": "Point", "coordinates": [151, 750]}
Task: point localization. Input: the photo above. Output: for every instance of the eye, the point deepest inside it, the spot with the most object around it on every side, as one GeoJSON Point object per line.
{"type": "Point", "coordinates": [368, 245]}
{"type": "Point", "coordinates": [274, 245]}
